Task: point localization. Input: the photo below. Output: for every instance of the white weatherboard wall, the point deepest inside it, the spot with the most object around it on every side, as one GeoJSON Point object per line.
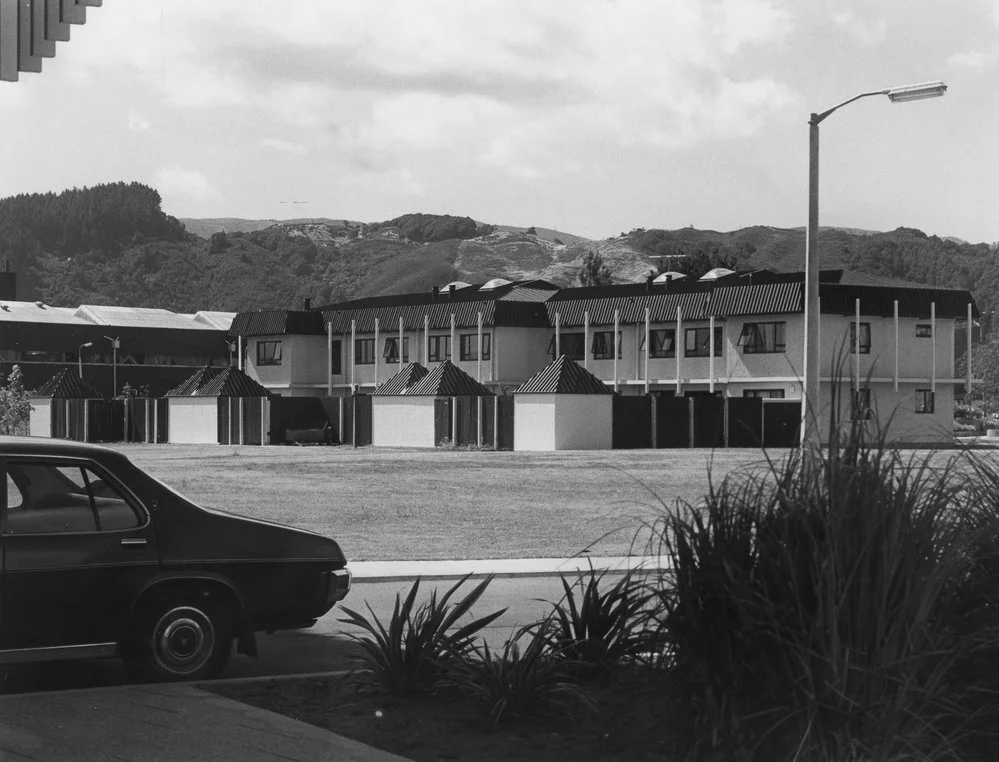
{"type": "Point", "coordinates": [402, 421]}
{"type": "Point", "coordinates": [562, 421]}
{"type": "Point", "coordinates": [194, 420]}
{"type": "Point", "coordinates": [40, 422]}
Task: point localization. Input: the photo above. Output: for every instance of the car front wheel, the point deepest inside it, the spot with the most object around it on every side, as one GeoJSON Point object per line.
{"type": "Point", "coordinates": [180, 640]}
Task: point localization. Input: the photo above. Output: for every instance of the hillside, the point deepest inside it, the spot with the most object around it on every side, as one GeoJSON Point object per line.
{"type": "Point", "coordinates": [113, 245]}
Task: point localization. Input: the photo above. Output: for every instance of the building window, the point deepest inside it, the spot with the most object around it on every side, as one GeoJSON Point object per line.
{"type": "Point", "coordinates": [663, 342]}
{"type": "Point", "coordinates": [697, 342]}
{"type": "Point", "coordinates": [865, 338]}
{"type": "Point", "coordinates": [364, 351]}
{"type": "Point", "coordinates": [861, 408]}
{"type": "Point", "coordinates": [391, 353]}
{"type": "Point", "coordinates": [336, 359]}
{"type": "Point", "coordinates": [762, 338]}
{"type": "Point", "coordinates": [440, 349]}
{"type": "Point", "coordinates": [924, 330]}
{"type": "Point", "coordinates": [268, 353]}
{"type": "Point", "coordinates": [469, 346]}
{"type": "Point", "coordinates": [603, 345]}
{"type": "Point", "coordinates": [764, 394]}
{"type": "Point", "coordinates": [572, 345]}
{"type": "Point", "coordinates": [924, 400]}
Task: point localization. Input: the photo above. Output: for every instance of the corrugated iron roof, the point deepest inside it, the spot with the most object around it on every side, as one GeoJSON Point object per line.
{"type": "Point", "coordinates": [564, 376]}
{"type": "Point", "coordinates": [39, 312]}
{"type": "Point", "coordinates": [278, 323]}
{"type": "Point", "coordinates": [403, 380]}
{"type": "Point", "coordinates": [765, 299]}
{"type": "Point", "coordinates": [448, 380]}
{"type": "Point", "coordinates": [66, 385]}
{"type": "Point", "coordinates": [212, 381]}
{"type": "Point", "coordinates": [631, 303]}
{"type": "Point", "coordinates": [198, 379]}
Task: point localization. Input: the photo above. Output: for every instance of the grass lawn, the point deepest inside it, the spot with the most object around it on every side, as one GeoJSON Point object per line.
{"type": "Point", "coordinates": [395, 505]}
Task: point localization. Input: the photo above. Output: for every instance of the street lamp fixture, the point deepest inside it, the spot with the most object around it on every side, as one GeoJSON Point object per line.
{"type": "Point", "coordinates": [810, 386]}
{"type": "Point", "coordinates": [114, 363]}
{"type": "Point", "coordinates": [79, 355]}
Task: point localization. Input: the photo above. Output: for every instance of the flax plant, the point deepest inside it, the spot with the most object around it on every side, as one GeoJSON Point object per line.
{"type": "Point", "coordinates": [831, 607]}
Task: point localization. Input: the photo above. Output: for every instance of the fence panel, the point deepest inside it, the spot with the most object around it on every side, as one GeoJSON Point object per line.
{"type": "Point", "coordinates": [504, 405]}
{"type": "Point", "coordinates": [442, 420]}
{"type": "Point", "coordinates": [162, 420]}
{"type": "Point", "coordinates": [709, 421]}
{"type": "Point", "coordinates": [632, 422]}
{"type": "Point", "coordinates": [672, 421]}
{"type": "Point", "coordinates": [745, 422]}
{"type": "Point", "coordinates": [781, 423]}
{"type": "Point", "coordinates": [362, 412]}
{"type": "Point", "coordinates": [468, 420]}
{"type": "Point", "coordinates": [105, 420]}
{"type": "Point", "coordinates": [488, 421]}
{"type": "Point", "coordinates": [304, 414]}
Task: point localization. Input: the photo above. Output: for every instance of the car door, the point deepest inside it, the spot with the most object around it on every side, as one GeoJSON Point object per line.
{"type": "Point", "coordinates": [77, 547]}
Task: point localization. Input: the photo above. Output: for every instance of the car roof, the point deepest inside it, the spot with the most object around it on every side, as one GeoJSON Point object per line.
{"type": "Point", "coordinates": [10, 445]}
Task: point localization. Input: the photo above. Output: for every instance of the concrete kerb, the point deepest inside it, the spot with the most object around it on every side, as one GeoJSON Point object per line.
{"type": "Point", "coordinates": [390, 571]}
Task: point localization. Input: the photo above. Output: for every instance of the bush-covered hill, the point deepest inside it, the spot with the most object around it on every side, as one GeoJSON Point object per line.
{"type": "Point", "coordinates": [112, 244]}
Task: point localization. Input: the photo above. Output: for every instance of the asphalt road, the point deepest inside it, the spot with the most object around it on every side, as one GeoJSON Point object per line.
{"type": "Point", "coordinates": [322, 648]}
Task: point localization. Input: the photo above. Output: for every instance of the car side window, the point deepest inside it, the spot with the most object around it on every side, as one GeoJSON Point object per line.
{"type": "Point", "coordinates": [55, 498]}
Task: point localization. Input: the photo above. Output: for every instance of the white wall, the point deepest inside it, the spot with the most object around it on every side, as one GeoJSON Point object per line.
{"type": "Point", "coordinates": [40, 422]}
{"type": "Point", "coordinates": [584, 421]}
{"type": "Point", "coordinates": [534, 422]}
{"type": "Point", "coordinates": [194, 420]}
{"type": "Point", "coordinates": [402, 421]}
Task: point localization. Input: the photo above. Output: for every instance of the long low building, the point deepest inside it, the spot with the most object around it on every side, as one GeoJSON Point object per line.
{"type": "Point", "coordinates": [888, 347]}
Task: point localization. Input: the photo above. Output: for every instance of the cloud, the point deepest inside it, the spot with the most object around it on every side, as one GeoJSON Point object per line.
{"type": "Point", "coordinates": [284, 146]}
{"type": "Point", "coordinates": [974, 59]}
{"type": "Point", "coordinates": [862, 30]}
{"type": "Point", "coordinates": [187, 183]}
{"type": "Point", "coordinates": [137, 122]}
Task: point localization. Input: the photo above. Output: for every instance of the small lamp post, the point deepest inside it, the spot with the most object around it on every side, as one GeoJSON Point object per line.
{"type": "Point", "coordinates": [810, 387]}
{"type": "Point", "coordinates": [79, 355]}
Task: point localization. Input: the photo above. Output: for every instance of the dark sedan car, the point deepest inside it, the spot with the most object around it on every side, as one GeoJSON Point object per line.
{"type": "Point", "coordinates": [101, 559]}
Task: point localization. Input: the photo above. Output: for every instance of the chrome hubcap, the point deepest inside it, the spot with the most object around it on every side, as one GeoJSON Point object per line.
{"type": "Point", "coordinates": [183, 640]}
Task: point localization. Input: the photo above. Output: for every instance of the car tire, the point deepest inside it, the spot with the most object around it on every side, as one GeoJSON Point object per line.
{"type": "Point", "coordinates": [179, 639]}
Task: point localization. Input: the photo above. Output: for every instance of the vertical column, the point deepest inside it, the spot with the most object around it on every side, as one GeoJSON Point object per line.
{"type": "Point", "coordinates": [239, 411]}
{"type": "Point", "coordinates": [933, 340]}
{"type": "Point", "coordinates": [329, 359]}
{"type": "Point", "coordinates": [895, 313]}
{"type": "Point", "coordinates": [376, 352]}
{"type": "Point", "coordinates": [677, 345]}
{"type": "Point", "coordinates": [558, 337]}
{"type": "Point", "coordinates": [239, 348]}
{"type": "Point", "coordinates": [265, 416]}
{"type": "Point", "coordinates": [856, 347]}
{"type": "Point", "coordinates": [402, 336]}
{"type": "Point", "coordinates": [648, 348]}
{"type": "Point", "coordinates": [967, 387]}
{"type": "Point", "coordinates": [586, 340]}
{"type": "Point", "coordinates": [454, 340]}
{"type": "Point", "coordinates": [351, 351]}
{"type": "Point", "coordinates": [454, 421]}
{"type": "Point", "coordinates": [478, 362]}
{"type": "Point", "coordinates": [615, 344]}
{"type": "Point", "coordinates": [426, 339]}
{"type": "Point", "coordinates": [711, 354]}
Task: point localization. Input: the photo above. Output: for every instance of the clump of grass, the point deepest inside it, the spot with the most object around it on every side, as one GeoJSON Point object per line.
{"type": "Point", "coordinates": [827, 609]}
{"type": "Point", "coordinates": [519, 681]}
{"type": "Point", "coordinates": [598, 625]}
{"type": "Point", "coordinates": [406, 654]}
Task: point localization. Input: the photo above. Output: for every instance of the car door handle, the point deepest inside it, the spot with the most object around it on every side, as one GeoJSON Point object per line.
{"type": "Point", "coordinates": [133, 541]}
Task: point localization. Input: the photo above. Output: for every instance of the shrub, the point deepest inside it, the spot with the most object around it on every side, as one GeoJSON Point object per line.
{"type": "Point", "coordinates": [598, 626]}
{"type": "Point", "coordinates": [407, 655]}
{"type": "Point", "coordinates": [519, 682]}
{"type": "Point", "coordinates": [833, 607]}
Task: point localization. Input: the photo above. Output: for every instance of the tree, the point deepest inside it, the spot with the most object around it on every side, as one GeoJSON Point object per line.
{"type": "Point", "coordinates": [984, 365]}
{"type": "Point", "coordinates": [594, 272]}
{"type": "Point", "coordinates": [15, 405]}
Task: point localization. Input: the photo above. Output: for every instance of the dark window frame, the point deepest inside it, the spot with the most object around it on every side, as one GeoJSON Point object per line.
{"type": "Point", "coordinates": [599, 347]}
{"type": "Point", "coordinates": [469, 344]}
{"type": "Point", "coordinates": [271, 357]}
{"type": "Point", "coordinates": [336, 357]}
{"type": "Point", "coordinates": [765, 338]}
{"type": "Point", "coordinates": [577, 342]}
{"type": "Point", "coordinates": [364, 351]}
{"type": "Point", "coordinates": [434, 346]}
{"type": "Point", "coordinates": [924, 330]}
{"type": "Point", "coordinates": [763, 394]}
{"type": "Point", "coordinates": [925, 401]}
{"type": "Point", "coordinates": [865, 333]}
{"type": "Point", "coordinates": [391, 350]}
{"type": "Point", "coordinates": [701, 347]}
{"type": "Point", "coordinates": [663, 342]}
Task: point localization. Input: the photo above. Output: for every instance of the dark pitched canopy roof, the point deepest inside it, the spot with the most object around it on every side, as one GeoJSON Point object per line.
{"type": "Point", "coordinates": [401, 382]}
{"type": "Point", "coordinates": [564, 376]}
{"type": "Point", "coordinates": [66, 384]}
{"type": "Point", "coordinates": [219, 382]}
{"type": "Point", "coordinates": [448, 380]}
{"type": "Point", "coordinates": [278, 323]}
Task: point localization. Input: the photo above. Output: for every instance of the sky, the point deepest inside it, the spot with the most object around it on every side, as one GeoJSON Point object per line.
{"type": "Point", "coordinates": [591, 117]}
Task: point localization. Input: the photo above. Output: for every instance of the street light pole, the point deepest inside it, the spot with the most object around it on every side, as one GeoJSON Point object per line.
{"type": "Point", "coordinates": [79, 355]}
{"type": "Point", "coordinates": [114, 364]}
{"type": "Point", "coordinates": [810, 386]}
